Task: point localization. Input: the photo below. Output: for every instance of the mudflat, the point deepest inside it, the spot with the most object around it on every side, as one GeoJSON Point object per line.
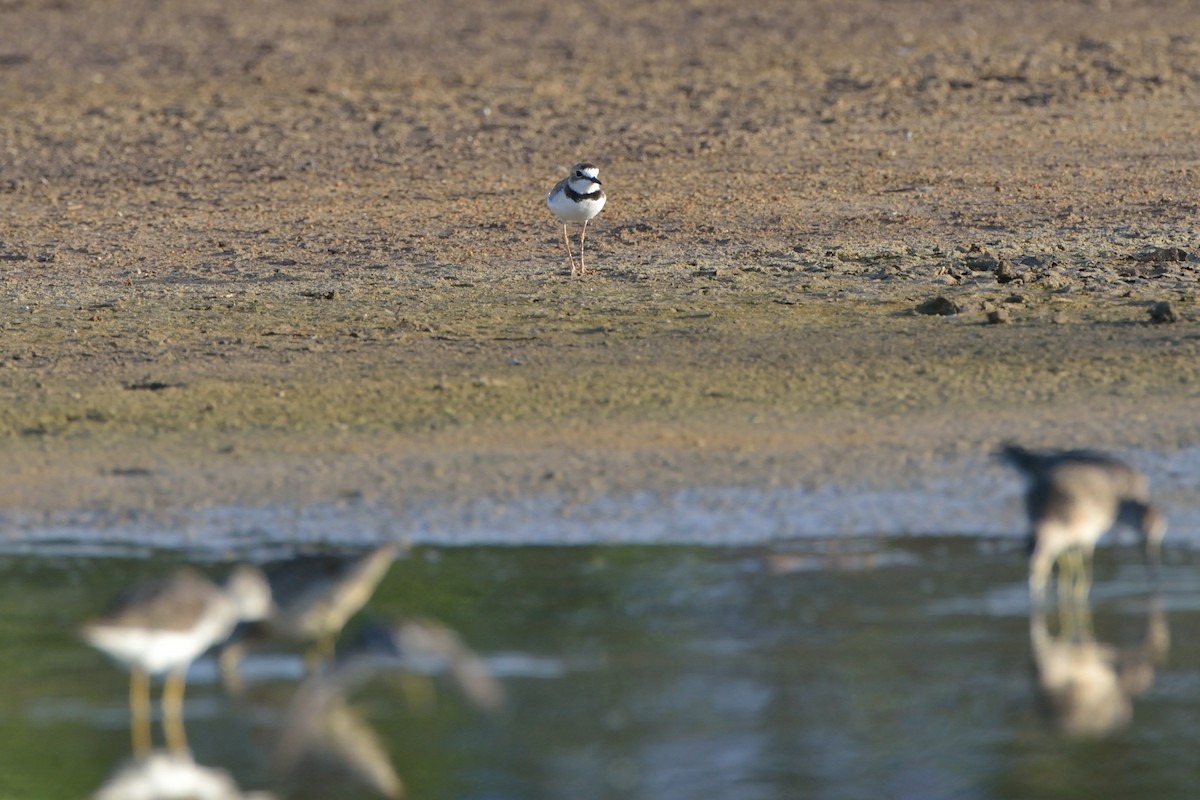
{"type": "Point", "coordinates": [289, 253]}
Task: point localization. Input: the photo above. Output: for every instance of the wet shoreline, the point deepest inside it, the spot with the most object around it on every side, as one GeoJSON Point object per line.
{"type": "Point", "coordinates": [828, 394]}
{"type": "Point", "coordinates": [969, 497]}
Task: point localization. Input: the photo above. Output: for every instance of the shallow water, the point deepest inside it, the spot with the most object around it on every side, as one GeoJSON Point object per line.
{"type": "Point", "coordinates": [860, 667]}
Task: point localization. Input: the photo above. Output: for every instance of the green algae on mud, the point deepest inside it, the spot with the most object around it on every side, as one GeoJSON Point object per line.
{"type": "Point", "coordinates": [365, 363]}
{"type": "Point", "coordinates": [580, 386]}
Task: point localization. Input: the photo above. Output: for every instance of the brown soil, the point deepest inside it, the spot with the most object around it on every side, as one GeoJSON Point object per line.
{"type": "Point", "coordinates": [294, 252]}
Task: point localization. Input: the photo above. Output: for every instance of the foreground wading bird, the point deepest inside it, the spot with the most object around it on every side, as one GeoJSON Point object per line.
{"type": "Point", "coordinates": [577, 198]}
{"type": "Point", "coordinates": [162, 627]}
{"type": "Point", "coordinates": [1073, 498]}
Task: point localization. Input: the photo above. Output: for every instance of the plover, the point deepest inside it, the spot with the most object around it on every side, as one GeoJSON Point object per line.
{"type": "Point", "coordinates": [1073, 498]}
{"type": "Point", "coordinates": [163, 627]}
{"type": "Point", "coordinates": [577, 198]}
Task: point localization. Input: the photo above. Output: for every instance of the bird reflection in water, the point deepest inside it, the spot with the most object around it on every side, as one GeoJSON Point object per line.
{"type": "Point", "coordinates": [323, 736]}
{"type": "Point", "coordinates": [166, 774]}
{"type": "Point", "coordinates": [1088, 686]}
{"type": "Point", "coordinates": [838, 554]}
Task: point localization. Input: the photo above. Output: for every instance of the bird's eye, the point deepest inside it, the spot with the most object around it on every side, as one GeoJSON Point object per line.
{"type": "Point", "coordinates": [578, 174]}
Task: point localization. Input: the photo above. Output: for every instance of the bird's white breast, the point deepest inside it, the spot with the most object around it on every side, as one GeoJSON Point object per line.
{"type": "Point", "coordinates": [568, 210]}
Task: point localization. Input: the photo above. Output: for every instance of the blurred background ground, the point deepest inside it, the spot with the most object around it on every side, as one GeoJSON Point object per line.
{"type": "Point", "coordinates": [295, 252]}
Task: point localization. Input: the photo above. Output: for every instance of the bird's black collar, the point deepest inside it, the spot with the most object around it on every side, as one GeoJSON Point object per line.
{"type": "Point", "coordinates": [576, 197]}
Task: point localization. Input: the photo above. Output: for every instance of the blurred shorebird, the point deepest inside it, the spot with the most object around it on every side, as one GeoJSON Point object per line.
{"type": "Point", "coordinates": [1073, 498]}
{"type": "Point", "coordinates": [314, 597]}
{"type": "Point", "coordinates": [323, 730]}
{"type": "Point", "coordinates": [162, 627]}
{"type": "Point", "coordinates": [424, 643]}
{"type": "Point", "coordinates": [1088, 686]}
{"type": "Point", "coordinates": [577, 198]}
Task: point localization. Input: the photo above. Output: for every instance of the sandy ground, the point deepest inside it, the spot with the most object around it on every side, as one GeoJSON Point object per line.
{"type": "Point", "coordinates": [295, 252]}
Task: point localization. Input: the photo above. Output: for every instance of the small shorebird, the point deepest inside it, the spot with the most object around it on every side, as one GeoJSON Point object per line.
{"type": "Point", "coordinates": [162, 627]}
{"type": "Point", "coordinates": [1073, 498]}
{"type": "Point", "coordinates": [314, 597]}
{"type": "Point", "coordinates": [577, 198]}
{"type": "Point", "coordinates": [432, 643]}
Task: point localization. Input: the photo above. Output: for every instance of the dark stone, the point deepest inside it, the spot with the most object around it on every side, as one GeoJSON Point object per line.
{"type": "Point", "coordinates": [1160, 255]}
{"type": "Point", "coordinates": [1163, 311]}
{"type": "Point", "coordinates": [938, 306]}
{"type": "Point", "coordinates": [981, 262]}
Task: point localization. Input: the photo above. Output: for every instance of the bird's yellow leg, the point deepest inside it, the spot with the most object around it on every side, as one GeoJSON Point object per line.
{"type": "Point", "coordinates": [1068, 623]}
{"type": "Point", "coordinates": [321, 652]}
{"type": "Point", "coordinates": [139, 711]}
{"type": "Point", "coordinates": [173, 711]}
{"type": "Point", "coordinates": [1065, 577]}
{"type": "Point", "coordinates": [1086, 559]}
{"type": "Point", "coordinates": [1086, 633]}
{"type": "Point", "coordinates": [1083, 581]}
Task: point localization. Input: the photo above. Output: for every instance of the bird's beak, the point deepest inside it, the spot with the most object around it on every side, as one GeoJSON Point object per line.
{"type": "Point", "coordinates": [597, 181]}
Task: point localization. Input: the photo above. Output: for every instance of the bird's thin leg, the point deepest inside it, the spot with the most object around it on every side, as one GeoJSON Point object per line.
{"type": "Point", "coordinates": [229, 660]}
{"type": "Point", "coordinates": [1153, 556]}
{"type": "Point", "coordinates": [321, 652]}
{"type": "Point", "coordinates": [139, 711]}
{"type": "Point", "coordinates": [582, 234]}
{"type": "Point", "coordinates": [1070, 575]}
{"type": "Point", "coordinates": [173, 711]}
{"type": "Point", "coordinates": [1083, 581]}
{"type": "Point", "coordinates": [1065, 571]}
{"type": "Point", "coordinates": [1086, 632]}
{"type": "Point", "coordinates": [1068, 623]}
{"type": "Point", "coordinates": [1040, 564]}
{"type": "Point", "coordinates": [567, 244]}
{"type": "Point", "coordinates": [1158, 635]}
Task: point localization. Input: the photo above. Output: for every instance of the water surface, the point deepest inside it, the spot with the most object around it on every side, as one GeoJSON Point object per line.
{"type": "Point", "coordinates": [852, 668]}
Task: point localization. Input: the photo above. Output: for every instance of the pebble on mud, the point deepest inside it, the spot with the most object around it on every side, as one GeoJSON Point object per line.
{"type": "Point", "coordinates": [938, 306]}
{"type": "Point", "coordinates": [998, 316]}
{"type": "Point", "coordinates": [1160, 255]}
{"type": "Point", "coordinates": [982, 262]}
{"type": "Point", "coordinates": [1162, 312]}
